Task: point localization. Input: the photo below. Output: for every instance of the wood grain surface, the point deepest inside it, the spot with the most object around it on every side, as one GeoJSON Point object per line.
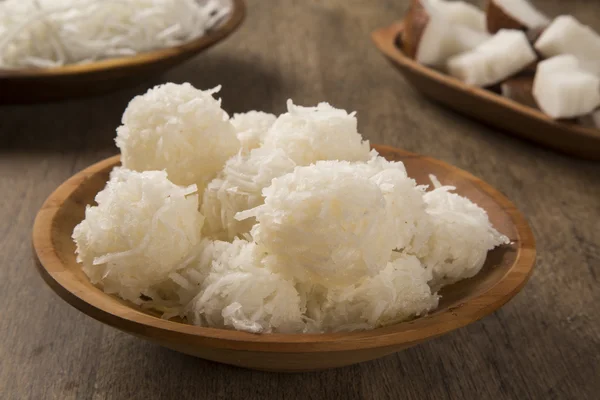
{"type": "Point", "coordinates": [544, 344]}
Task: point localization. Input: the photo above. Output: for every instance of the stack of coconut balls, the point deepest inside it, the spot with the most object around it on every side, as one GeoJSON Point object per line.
{"type": "Point", "coordinates": [271, 224]}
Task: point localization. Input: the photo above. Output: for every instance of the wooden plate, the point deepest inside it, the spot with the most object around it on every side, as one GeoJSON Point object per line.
{"type": "Point", "coordinates": [506, 271]}
{"type": "Point", "coordinates": [48, 84]}
{"type": "Point", "coordinates": [487, 106]}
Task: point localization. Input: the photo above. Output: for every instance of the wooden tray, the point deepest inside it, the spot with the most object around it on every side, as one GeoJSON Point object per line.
{"type": "Point", "coordinates": [506, 270]}
{"type": "Point", "coordinates": [486, 106]}
{"type": "Point", "coordinates": [71, 81]}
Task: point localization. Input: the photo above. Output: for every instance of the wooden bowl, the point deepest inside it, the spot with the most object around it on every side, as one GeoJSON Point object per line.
{"type": "Point", "coordinates": [71, 81]}
{"type": "Point", "coordinates": [486, 106]}
{"type": "Point", "coordinates": [506, 270]}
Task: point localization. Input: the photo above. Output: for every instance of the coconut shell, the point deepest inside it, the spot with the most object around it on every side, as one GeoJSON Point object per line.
{"type": "Point", "coordinates": [520, 89]}
{"type": "Point", "coordinates": [497, 18]}
{"type": "Point", "coordinates": [415, 21]}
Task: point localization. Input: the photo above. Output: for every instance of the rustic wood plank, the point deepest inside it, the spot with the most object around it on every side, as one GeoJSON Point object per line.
{"type": "Point", "coordinates": [545, 344]}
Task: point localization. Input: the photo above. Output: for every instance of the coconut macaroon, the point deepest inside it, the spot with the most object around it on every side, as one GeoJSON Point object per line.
{"type": "Point", "coordinates": [300, 137]}
{"type": "Point", "coordinates": [311, 134]}
{"type": "Point", "coordinates": [242, 294]}
{"type": "Point", "coordinates": [325, 223]}
{"type": "Point", "coordinates": [404, 202]}
{"type": "Point", "coordinates": [251, 128]}
{"type": "Point", "coordinates": [143, 228]}
{"type": "Point", "coordinates": [319, 233]}
{"type": "Point", "coordinates": [239, 188]}
{"type": "Point", "coordinates": [397, 293]}
{"type": "Point", "coordinates": [180, 129]}
{"type": "Point", "coordinates": [461, 237]}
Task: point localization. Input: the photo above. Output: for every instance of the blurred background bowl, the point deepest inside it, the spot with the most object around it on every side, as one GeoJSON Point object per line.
{"type": "Point", "coordinates": [70, 81]}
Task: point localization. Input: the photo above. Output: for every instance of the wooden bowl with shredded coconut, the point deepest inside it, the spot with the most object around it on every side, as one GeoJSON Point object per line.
{"type": "Point", "coordinates": [40, 80]}
{"type": "Point", "coordinates": [506, 270]}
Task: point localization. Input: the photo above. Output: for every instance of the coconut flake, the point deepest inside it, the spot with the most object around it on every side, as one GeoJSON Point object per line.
{"type": "Point", "coordinates": [53, 33]}
{"type": "Point", "coordinates": [180, 129]}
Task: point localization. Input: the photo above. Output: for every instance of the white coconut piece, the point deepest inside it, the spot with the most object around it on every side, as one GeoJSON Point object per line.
{"type": "Point", "coordinates": [251, 128]}
{"type": "Point", "coordinates": [566, 35]}
{"type": "Point", "coordinates": [53, 33]}
{"type": "Point", "coordinates": [460, 13]}
{"type": "Point", "coordinates": [180, 129]}
{"type": "Point", "coordinates": [505, 54]}
{"type": "Point", "coordinates": [240, 293]}
{"type": "Point", "coordinates": [311, 134]}
{"type": "Point", "coordinates": [443, 39]}
{"type": "Point", "coordinates": [461, 238]}
{"type": "Point", "coordinates": [143, 229]}
{"type": "Point", "coordinates": [563, 63]}
{"type": "Point", "coordinates": [523, 12]}
{"type": "Point", "coordinates": [239, 188]}
{"type": "Point", "coordinates": [398, 293]}
{"type": "Point", "coordinates": [563, 89]}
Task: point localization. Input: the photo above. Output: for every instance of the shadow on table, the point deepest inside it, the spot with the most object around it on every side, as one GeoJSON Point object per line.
{"type": "Point", "coordinates": [90, 123]}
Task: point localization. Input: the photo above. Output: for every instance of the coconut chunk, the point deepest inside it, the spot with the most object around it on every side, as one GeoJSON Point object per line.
{"type": "Point", "coordinates": [566, 35]}
{"type": "Point", "coordinates": [563, 89]}
{"type": "Point", "coordinates": [461, 13]}
{"type": "Point", "coordinates": [513, 14]}
{"type": "Point", "coordinates": [505, 54]}
{"type": "Point", "coordinates": [441, 40]}
{"type": "Point", "coordinates": [436, 30]}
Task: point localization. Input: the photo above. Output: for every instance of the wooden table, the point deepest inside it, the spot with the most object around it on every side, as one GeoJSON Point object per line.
{"type": "Point", "coordinates": [545, 344]}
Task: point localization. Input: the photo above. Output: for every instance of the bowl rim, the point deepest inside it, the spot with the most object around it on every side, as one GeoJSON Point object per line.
{"type": "Point", "coordinates": [210, 38]}
{"type": "Point", "coordinates": [385, 40]}
{"type": "Point", "coordinates": [55, 274]}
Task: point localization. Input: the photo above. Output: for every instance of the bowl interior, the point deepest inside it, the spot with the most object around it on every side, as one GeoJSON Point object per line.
{"type": "Point", "coordinates": [499, 261]}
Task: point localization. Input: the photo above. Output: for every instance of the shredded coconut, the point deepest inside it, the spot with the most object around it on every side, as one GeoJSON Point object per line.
{"type": "Point", "coordinates": [143, 228]}
{"type": "Point", "coordinates": [461, 237]}
{"type": "Point", "coordinates": [301, 228]}
{"type": "Point", "coordinates": [311, 134]}
{"type": "Point", "coordinates": [397, 293]}
{"type": "Point", "coordinates": [252, 127]}
{"type": "Point", "coordinates": [53, 33]}
{"type": "Point", "coordinates": [325, 223]}
{"type": "Point", "coordinates": [243, 294]}
{"type": "Point", "coordinates": [240, 188]}
{"type": "Point", "coordinates": [180, 129]}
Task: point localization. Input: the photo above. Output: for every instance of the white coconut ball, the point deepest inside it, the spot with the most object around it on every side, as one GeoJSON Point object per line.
{"type": "Point", "coordinates": [311, 134]}
{"type": "Point", "coordinates": [461, 237]}
{"type": "Point", "coordinates": [398, 293]}
{"type": "Point", "coordinates": [180, 129]}
{"type": "Point", "coordinates": [251, 128]}
{"type": "Point", "coordinates": [325, 223]}
{"type": "Point", "coordinates": [240, 188]}
{"type": "Point", "coordinates": [240, 293]}
{"type": "Point", "coordinates": [143, 228]}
